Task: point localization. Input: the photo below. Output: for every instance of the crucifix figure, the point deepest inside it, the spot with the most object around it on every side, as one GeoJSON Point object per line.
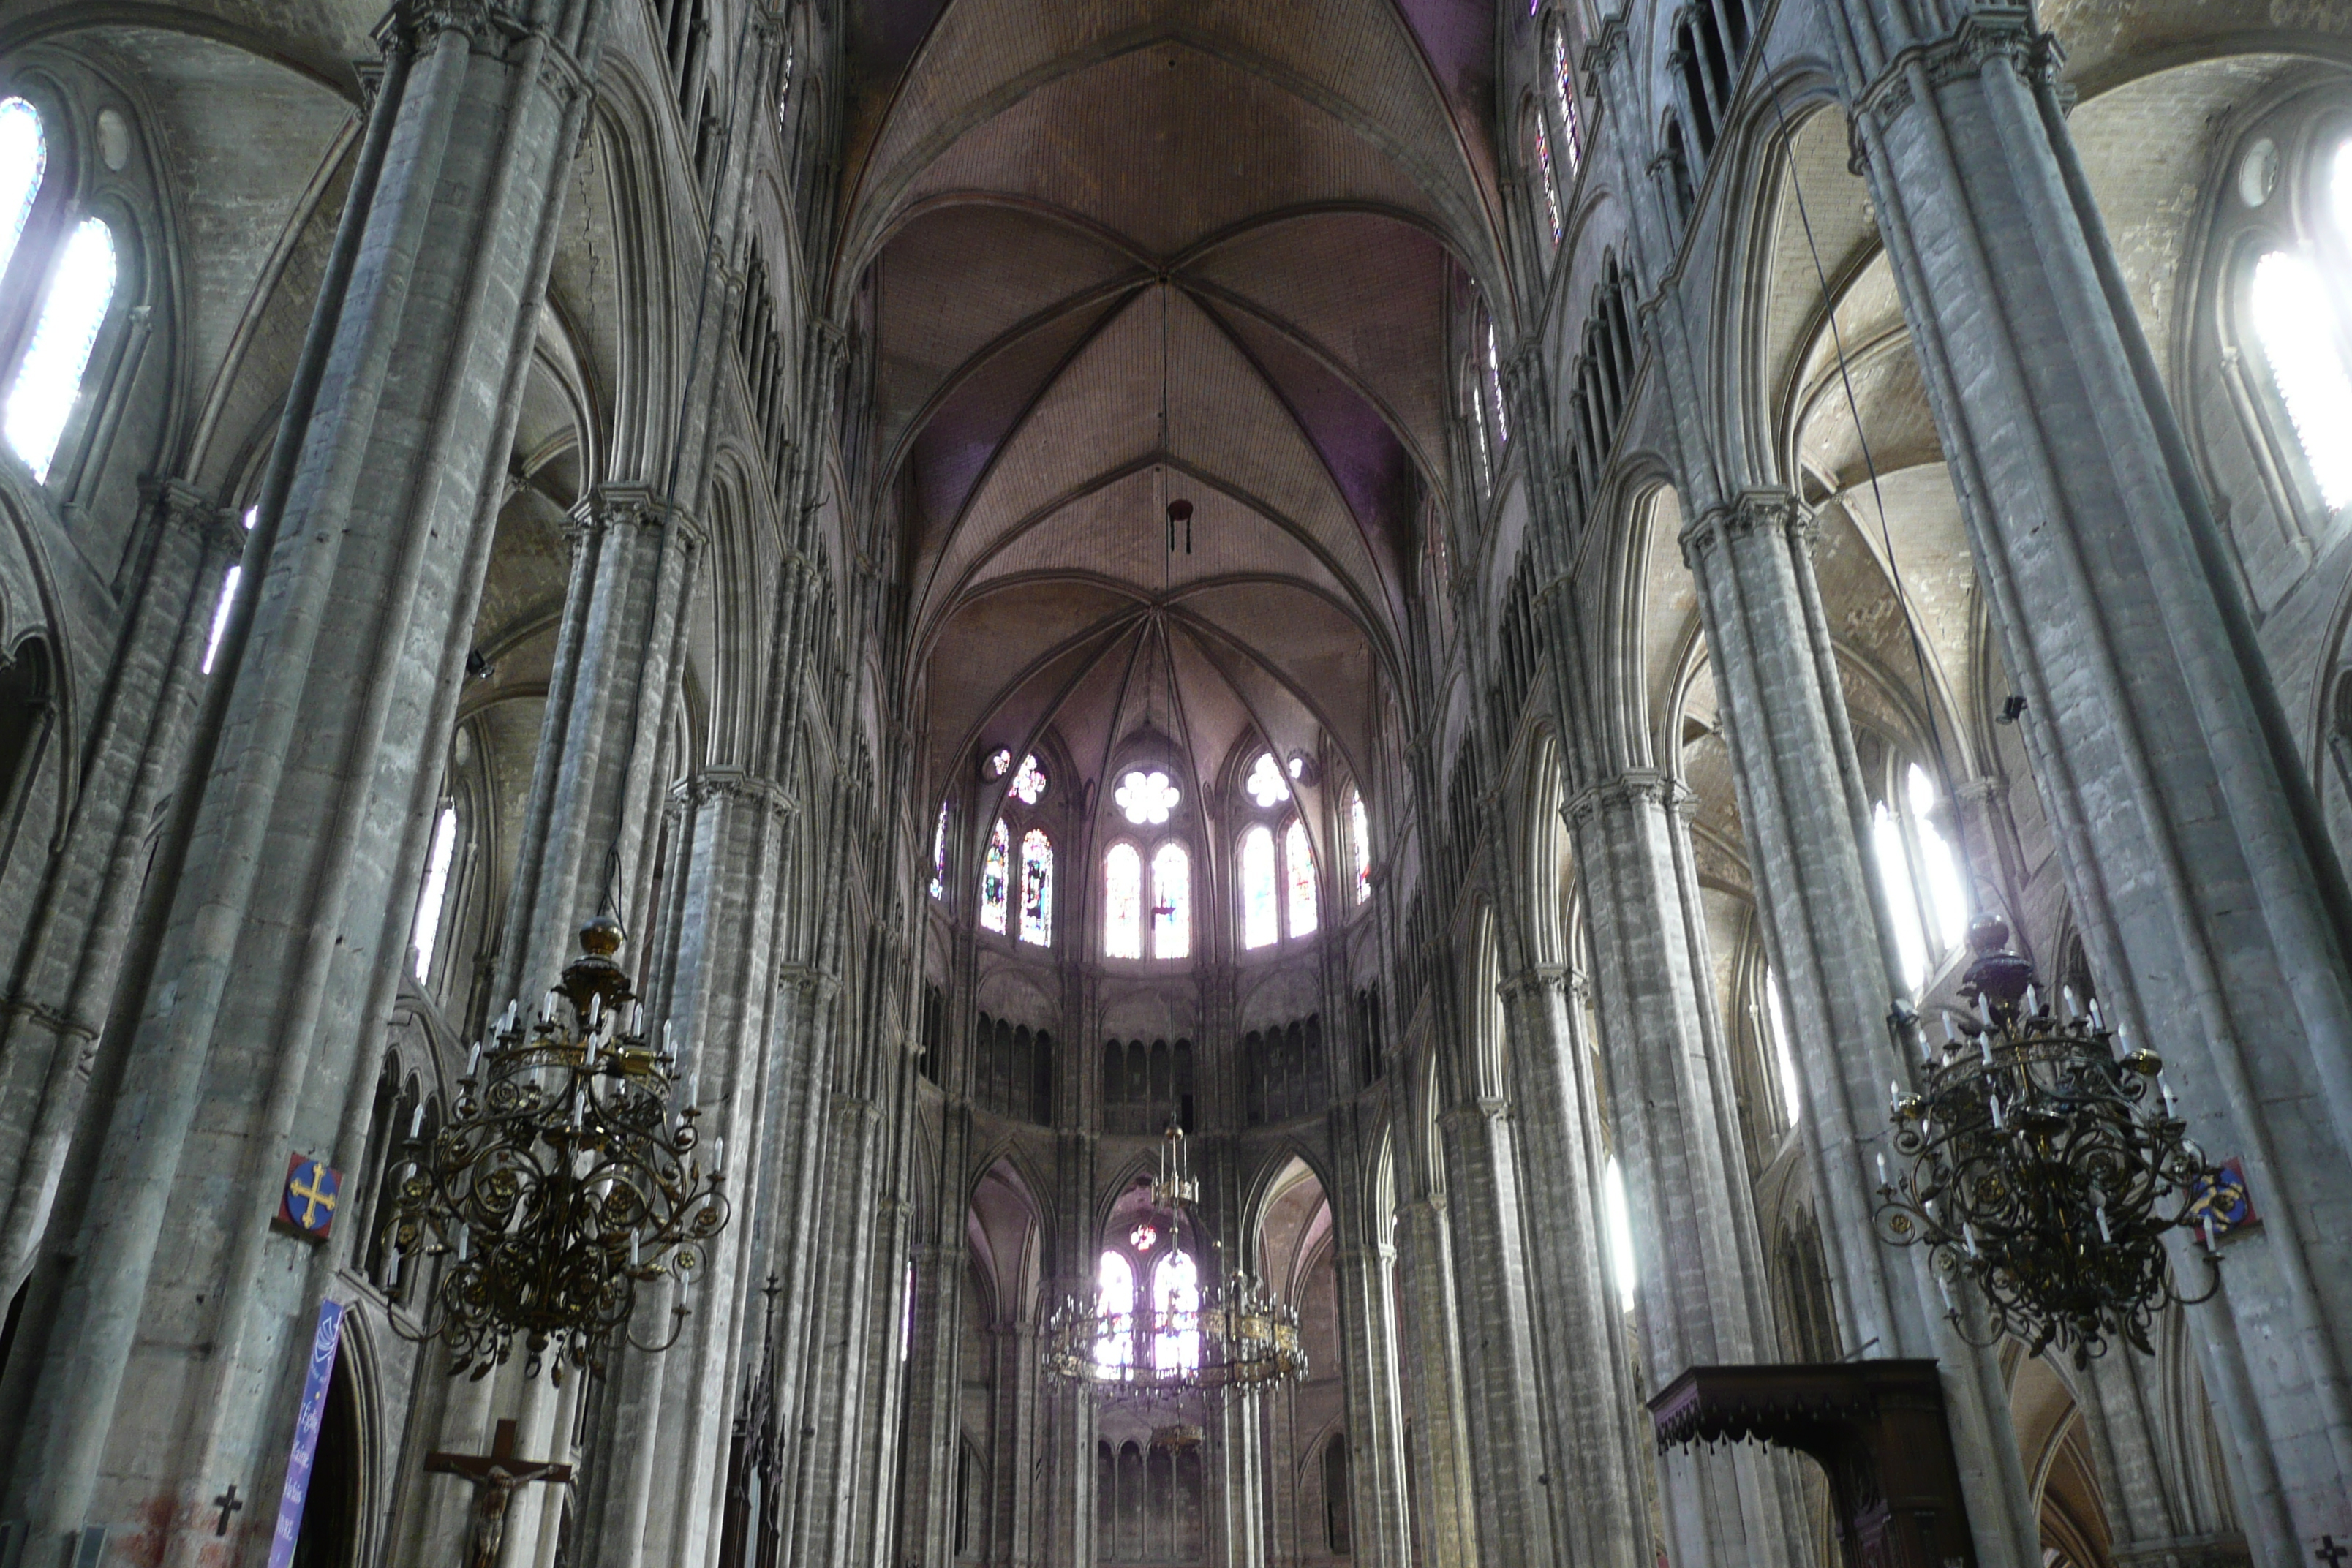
{"type": "Point", "coordinates": [228, 1503]}
{"type": "Point", "coordinates": [2331, 1554]}
{"type": "Point", "coordinates": [496, 1474]}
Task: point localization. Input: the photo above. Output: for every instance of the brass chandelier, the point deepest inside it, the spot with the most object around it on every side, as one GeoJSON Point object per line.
{"type": "Point", "coordinates": [2046, 1167]}
{"type": "Point", "coordinates": [1237, 1334]}
{"type": "Point", "coordinates": [561, 1182]}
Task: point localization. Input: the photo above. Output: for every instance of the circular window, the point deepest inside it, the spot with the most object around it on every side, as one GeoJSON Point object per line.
{"type": "Point", "coordinates": [1146, 798]}
{"type": "Point", "coordinates": [2258, 172]}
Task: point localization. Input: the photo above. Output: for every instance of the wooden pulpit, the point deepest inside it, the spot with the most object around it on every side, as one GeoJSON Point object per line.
{"type": "Point", "coordinates": [1876, 1427]}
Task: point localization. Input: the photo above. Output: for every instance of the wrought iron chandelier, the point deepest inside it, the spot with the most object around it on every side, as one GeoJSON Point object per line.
{"type": "Point", "coordinates": [1238, 1333]}
{"type": "Point", "coordinates": [562, 1182]}
{"type": "Point", "coordinates": [2042, 1167]}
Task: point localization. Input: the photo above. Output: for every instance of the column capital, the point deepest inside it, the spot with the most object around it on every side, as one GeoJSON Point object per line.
{"type": "Point", "coordinates": [1750, 512]}
{"type": "Point", "coordinates": [610, 507]}
{"type": "Point", "coordinates": [730, 784]}
{"type": "Point", "coordinates": [182, 507]}
{"type": "Point", "coordinates": [1989, 32]}
{"type": "Point", "coordinates": [1635, 786]}
{"type": "Point", "coordinates": [418, 25]}
{"type": "Point", "coordinates": [1535, 981]}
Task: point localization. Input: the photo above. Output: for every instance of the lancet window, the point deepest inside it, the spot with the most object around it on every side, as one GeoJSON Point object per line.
{"type": "Point", "coordinates": [2292, 294]}
{"type": "Point", "coordinates": [1571, 119]}
{"type": "Point", "coordinates": [59, 278]}
{"type": "Point", "coordinates": [432, 899]}
{"type": "Point", "coordinates": [1276, 865]}
{"type": "Point", "coordinates": [1359, 845]}
{"type": "Point", "coordinates": [1547, 177]}
{"type": "Point", "coordinates": [1919, 873]}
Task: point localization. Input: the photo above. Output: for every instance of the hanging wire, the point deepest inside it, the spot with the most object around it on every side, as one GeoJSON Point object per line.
{"type": "Point", "coordinates": [1877, 497]}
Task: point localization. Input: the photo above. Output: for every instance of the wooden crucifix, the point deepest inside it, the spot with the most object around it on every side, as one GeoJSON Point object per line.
{"type": "Point", "coordinates": [496, 1475]}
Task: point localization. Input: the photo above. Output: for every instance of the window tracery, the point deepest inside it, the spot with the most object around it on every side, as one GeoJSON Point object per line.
{"type": "Point", "coordinates": [1029, 783]}
{"type": "Point", "coordinates": [1266, 784]}
{"type": "Point", "coordinates": [1146, 798]}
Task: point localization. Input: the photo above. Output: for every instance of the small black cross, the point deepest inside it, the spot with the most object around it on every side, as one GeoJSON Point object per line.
{"type": "Point", "coordinates": [228, 1503]}
{"type": "Point", "coordinates": [2331, 1554]}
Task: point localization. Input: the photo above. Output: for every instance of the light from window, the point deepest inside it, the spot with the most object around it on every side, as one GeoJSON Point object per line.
{"type": "Point", "coordinates": [1551, 181]}
{"type": "Point", "coordinates": [1030, 781]}
{"type": "Point", "coordinates": [1902, 897]}
{"type": "Point", "coordinates": [2339, 188]}
{"type": "Point", "coordinates": [939, 853]}
{"type": "Point", "coordinates": [1123, 902]}
{"type": "Point", "coordinates": [1115, 1295]}
{"type": "Point", "coordinates": [996, 878]}
{"type": "Point", "coordinates": [1948, 893]}
{"type": "Point", "coordinates": [47, 381]}
{"type": "Point", "coordinates": [23, 157]}
{"type": "Point", "coordinates": [907, 1317]}
{"type": "Point", "coordinates": [2297, 323]}
{"type": "Point", "coordinates": [1146, 798]}
{"type": "Point", "coordinates": [1299, 859]}
{"type": "Point", "coordinates": [1143, 1238]}
{"type": "Point", "coordinates": [1259, 920]}
{"type": "Point", "coordinates": [1172, 902]}
{"type": "Point", "coordinates": [998, 760]}
{"type": "Point", "coordinates": [1036, 887]}
{"type": "Point", "coordinates": [1266, 784]}
{"type": "Point", "coordinates": [1792, 1102]}
{"type": "Point", "coordinates": [220, 615]}
{"type": "Point", "coordinates": [1176, 1302]}
{"type": "Point", "coordinates": [1617, 1217]}
{"type": "Point", "coordinates": [1495, 387]}
{"type": "Point", "coordinates": [427, 927]}
{"type": "Point", "coordinates": [1478, 402]}
{"type": "Point", "coordinates": [1360, 839]}
{"type": "Point", "coordinates": [1563, 80]}
{"type": "Point", "coordinates": [228, 597]}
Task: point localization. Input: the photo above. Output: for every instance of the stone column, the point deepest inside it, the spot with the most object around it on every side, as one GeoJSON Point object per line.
{"type": "Point", "coordinates": [2212, 902]}
{"type": "Point", "coordinates": [1491, 1287]}
{"type": "Point", "coordinates": [1593, 1407]}
{"type": "Point", "coordinates": [71, 935]}
{"type": "Point", "coordinates": [612, 696]}
{"type": "Point", "coordinates": [165, 1359]}
{"type": "Point", "coordinates": [1362, 1258]}
{"type": "Point", "coordinates": [1805, 816]}
{"type": "Point", "coordinates": [1703, 1301]}
{"type": "Point", "coordinates": [1439, 1457]}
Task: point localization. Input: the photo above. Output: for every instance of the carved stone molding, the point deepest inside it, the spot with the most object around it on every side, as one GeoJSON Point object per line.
{"type": "Point", "coordinates": [1535, 981]}
{"type": "Point", "coordinates": [727, 785]}
{"type": "Point", "coordinates": [1988, 33]}
{"type": "Point", "coordinates": [1749, 512]}
{"type": "Point", "coordinates": [610, 507]}
{"type": "Point", "coordinates": [1635, 787]}
{"type": "Point", "coordinates": [180, 506]}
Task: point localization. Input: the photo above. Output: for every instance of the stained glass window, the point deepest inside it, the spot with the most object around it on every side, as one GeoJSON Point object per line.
{"type": "Point", "coordinates": [1476, 401]}
{"type": "Point", "coordinates": [1143, 1238]}
{"type": "Point", "coordinates": [1115, 1293]}
{"type": "Point", "coordinates": [998, 760]}
{"type": "Point", "coordinates": [1176, 1298]}
{"type": "Point", "coordinates": [1571, 125]}
{"type": "Point", "coordinates": [1146, 798]}
{"type": "Point", "coordinates": [1266, 784]}
{"type": "Point", "coordinates": [1260, 926]}
{"type": "Point", "coordinates": [23, 157]}
{"type": "Point", "coordinates": [996, 878]}
{"type": "Point", "coordinates": [1495, 387]}
{"type": "Point", "coordinates": [1172, 902]}
{"type": "Point", "coordinates": [1299, 872]}
{"type": "Point", "coordinates": [1551, 180]}
{"type": "Point", "coordinates": [940, 855]}
{"type": "Point", "coordinates": [1359, 841]}
{"type": "Point", "coordinates": [2296, 320]}
{"type": "Point", "coordinates": [1123, 902]}
{"type": "Point", "coordinates": [1030, 781]}
{"type": "Point", "coordinates": [425, 930]}
{"type": "Point", "coordinates": [1036, 886]}
{"type": "Point", "coordinates": [50, 376]}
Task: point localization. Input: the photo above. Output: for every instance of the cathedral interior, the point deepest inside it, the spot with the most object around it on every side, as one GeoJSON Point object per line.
{"type": "Point", "coordinates": [891, 784]}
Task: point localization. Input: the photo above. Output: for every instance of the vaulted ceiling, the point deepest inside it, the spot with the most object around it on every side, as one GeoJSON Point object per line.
{"type": "Point", "coordinates": [1118, 255]}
